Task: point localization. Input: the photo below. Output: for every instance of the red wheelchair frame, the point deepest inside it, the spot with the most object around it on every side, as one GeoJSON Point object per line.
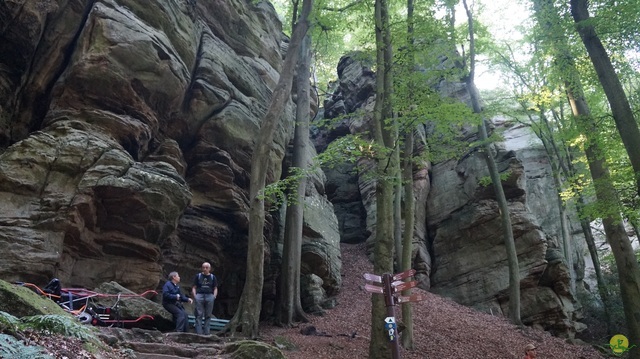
{"type": "Point", "coordinates": [80, 302]}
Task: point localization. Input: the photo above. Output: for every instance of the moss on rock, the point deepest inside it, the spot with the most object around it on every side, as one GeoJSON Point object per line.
{"type": "Point", "coordinates": [250, 349]}
{"type": "Point", "coordinates": [21, 301]}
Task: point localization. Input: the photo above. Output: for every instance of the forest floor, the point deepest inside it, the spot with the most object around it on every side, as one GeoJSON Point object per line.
{"type": "Point", "coordinates": [442, 328]}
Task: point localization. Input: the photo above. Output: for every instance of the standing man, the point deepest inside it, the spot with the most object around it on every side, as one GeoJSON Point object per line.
{"type": "Point", "coordinates": [172, 301]}
{"type": "Point", "coordinates": [205, 290]}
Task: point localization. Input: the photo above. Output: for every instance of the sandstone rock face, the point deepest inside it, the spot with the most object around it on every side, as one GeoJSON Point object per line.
{"type": "Point", "coordinates": [467, 243]}
{"type": "Point", "coordinates": [348, 187]}
{"type": "Point", "coordinates": [457, 219]}
{"type": "Point", "coordinates": [127, 129]}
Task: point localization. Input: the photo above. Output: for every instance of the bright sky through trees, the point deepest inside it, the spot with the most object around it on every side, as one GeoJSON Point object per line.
{"type": "Point", "coordinates": [504, 19]}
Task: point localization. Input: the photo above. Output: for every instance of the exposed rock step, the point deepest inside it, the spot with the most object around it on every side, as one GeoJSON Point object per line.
{"type": "Point", "coordinates": [190, 351]}
{"type": "Point", "coordinates": [157, 356]}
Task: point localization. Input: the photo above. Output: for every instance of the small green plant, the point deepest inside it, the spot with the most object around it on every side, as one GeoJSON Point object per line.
{"type": "Point", "coordinates": [60, 324]}
{"type": "Point", "coordinates": [10, 347]}
{"type": "Point", "coordinates": [486, 180]}
{"type": "Point", "coordinates": [8, 323]}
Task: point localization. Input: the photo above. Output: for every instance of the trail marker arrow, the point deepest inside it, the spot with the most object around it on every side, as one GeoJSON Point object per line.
{"type": "Point", "coordinates": [404, 285]}
{"type": "Point", "coordinates": [412, 298]}
{"type": "Point", "coordinates": [373, 288]}
{"type": "Point", "coordinates": [373, 278]}
{"type": "Point", "coordinates": [403, 275]}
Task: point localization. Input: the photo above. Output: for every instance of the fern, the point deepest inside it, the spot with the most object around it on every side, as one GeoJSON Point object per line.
{"type": "Point", "coordinates": [8, 323]}
{"type": "Point", "coordinates": [60, 324]}
{"type": "Point", "coordinates": [11, 347]}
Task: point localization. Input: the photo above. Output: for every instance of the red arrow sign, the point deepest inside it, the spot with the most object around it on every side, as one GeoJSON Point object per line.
{"type": "Point", "coordinates": [373, 277]}
{"type": "Point", "coordinates": [373, 288]}
{"type": "Point", "coordinates": [412, 298]}
{"type": "Point", "coordinates": [404, 285]}
{"type": "Point", "coordinates": [403, 275]}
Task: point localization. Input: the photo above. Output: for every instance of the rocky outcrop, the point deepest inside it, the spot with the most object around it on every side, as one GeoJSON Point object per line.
{"type": "Point", "coordinates": [458, 247]}
{"type": "Point", "coordinates": [349, 187]}
{"type": "Point", "coordinates": [469, 253]}
{"type": "Point", "coordinates": [21, 301]}
{"type": "Point", "coordinates": [154, 344]}
{"type": "Point", "coordinates": [127, 129]}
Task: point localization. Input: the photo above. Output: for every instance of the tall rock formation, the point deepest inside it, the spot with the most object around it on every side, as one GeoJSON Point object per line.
{"type": "Point", "coordinates": [458, 246]}
{"type": "Point", "coordinates": [127, 128]}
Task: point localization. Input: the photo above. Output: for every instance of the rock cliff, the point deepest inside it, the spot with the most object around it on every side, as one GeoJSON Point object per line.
{"type": "Point", "coordinates": [126, 133]}
{"type": "Point", "coordinates": [126, 129]}
{"type": "Point", "coordinates": [459, 250]}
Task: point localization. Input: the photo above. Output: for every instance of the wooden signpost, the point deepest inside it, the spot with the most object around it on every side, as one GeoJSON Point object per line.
{"type": "Point", "coordinates": [390, 286]}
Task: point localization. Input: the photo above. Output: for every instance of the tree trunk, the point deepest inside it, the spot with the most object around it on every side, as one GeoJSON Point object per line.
{"type": "Point", "coordinates": [247, 316]}
{"type": "Point", "coordinates": [626, 262]}
{"type": "Point", "coordinates": [566, 167]}
{"type": "Point", "coordinates": [407, 245]}
{"type": "Point", "coordinates": [384, 138]}
{"type": "Point", "coordinates": [397, 212]}
{"type": "Point", "coordinates": [620, 108]}
{"type": "Point", "coordinates": [290, 307]}
{"type": "Point", "coordinates": [507, 231]}
{"type": "Point", "coordinates": [595, 259]}
{"type": "Point", "coordinates": [407, 180]}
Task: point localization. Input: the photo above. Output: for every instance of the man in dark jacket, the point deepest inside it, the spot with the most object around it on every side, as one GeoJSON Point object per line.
{"type": "Point", "coordinates": [205, 291]}
{"type": "Point", "coordinates": [172, 300]}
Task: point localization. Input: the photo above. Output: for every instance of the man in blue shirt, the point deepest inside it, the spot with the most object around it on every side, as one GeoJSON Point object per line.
{"type": "Point", "coordinates": [172, 300]}
{"type": "Point", "coordinates": [205, 291]}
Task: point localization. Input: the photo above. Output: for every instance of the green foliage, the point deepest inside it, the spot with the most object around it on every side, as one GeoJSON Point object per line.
{"type": "Point", "coordinates": [59, 324]}
{"type": "Point", "coordinates": [486, 180]}
{"type": "Point", "coordinates": [285, 189]}
{"type": "Point", "coordinates": [8, 323]}
{"type": "Point", "coordinates": [10, 347]}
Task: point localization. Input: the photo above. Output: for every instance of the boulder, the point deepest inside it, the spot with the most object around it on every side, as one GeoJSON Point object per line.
{"type": "Point", "coordinates": [131, 307]}
{"type": "Point", "coordinates": [250, 349]}
{"type": "Point", "coordinates": [21, 301]}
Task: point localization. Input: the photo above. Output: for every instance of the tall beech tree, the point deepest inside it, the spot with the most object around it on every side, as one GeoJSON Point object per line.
{"type": "Point", "coordinates": [289, 303]}
{"type": "Point", "coordinates": [505, 216]}
{"type": "Point", "coordinates": [628, 271]}
{"type": "Point", "coordinates": [247, 316]}
{"type": "Point", "coordinates": [620, 108]}
{"type": "Point", "coordinates": [384, 131]}
{"type": "Point", "coordinates": [407, 180]}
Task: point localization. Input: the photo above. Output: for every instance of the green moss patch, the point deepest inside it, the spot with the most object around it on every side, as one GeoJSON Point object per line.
{"type": "Point", "coordinates": [21, 302]}
{"type": "Point", "coordinates": [250, 349]}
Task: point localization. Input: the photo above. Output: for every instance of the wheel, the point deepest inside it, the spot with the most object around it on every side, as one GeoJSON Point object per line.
{"type": "Point", "coordinates": [84, 318]}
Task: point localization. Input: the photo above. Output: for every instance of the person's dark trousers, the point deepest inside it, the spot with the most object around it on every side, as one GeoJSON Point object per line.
{"type": "Point", "coordinates": [179, 315]}
{"type": "Point", "coordinates": [204, 305]}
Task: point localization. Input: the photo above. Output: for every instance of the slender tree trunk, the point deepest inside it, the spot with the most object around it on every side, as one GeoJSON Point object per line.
{"type": "Point", "coordinates": [290, 306]}
{"type": "Point", "coordinates": [595, 259]}
{"type": "Point", "coordinates": [507, 231]}
{"type": "Point", "coordinates": [247, 316]}
{"type": "Point", "coordinates": [626, 262]}
{"type": "Point", "coordinates": [397, 211]}
{"type": "Point", "coordinates": [565, 165]}
{"type": "Point", "coordinates": [384, 137]}
{"type": "Point", "coordinates": [567, 247]}
{"type": "Point", "coordinates": [409, 200]}
{"type": "Point", "coordinates": [407, 245]}
{"type": "Point", "coordinates": [620, 108]}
